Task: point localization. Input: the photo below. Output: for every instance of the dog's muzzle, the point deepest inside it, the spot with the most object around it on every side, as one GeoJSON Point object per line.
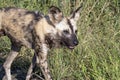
{"type": "Point", "coordinates": [70, 42]}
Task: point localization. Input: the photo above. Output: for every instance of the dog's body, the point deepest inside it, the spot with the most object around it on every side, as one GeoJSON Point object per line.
{"type": "Point", "coordinates": [39, 32]}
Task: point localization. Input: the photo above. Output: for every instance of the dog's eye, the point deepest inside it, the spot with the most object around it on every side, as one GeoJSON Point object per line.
{"type": "Point", "coordinates": [66, 32]}
{"type": "Point", "coordinates": [76, 31]}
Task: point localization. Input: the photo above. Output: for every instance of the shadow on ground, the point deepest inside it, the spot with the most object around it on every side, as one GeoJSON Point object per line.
{"type": "Point", "coordinates": [19, 69]}
{"type": "Point", "coordinates": [17, 72]}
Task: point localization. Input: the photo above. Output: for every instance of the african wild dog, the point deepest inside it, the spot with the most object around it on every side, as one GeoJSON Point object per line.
{"type": "Point", "coordinates": [34, 30]}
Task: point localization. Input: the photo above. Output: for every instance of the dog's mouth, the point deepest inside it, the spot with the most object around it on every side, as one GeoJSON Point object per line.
{"type": "Point", "coordinates": [71, 47]}
{"type": "Point", "coordinates": [68, 46]}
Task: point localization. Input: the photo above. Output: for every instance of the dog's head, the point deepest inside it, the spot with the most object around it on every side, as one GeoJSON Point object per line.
{"type": "Point", "coordinates": [66, 27]}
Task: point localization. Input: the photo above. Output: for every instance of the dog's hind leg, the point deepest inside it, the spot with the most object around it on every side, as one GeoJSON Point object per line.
{"type": "Point", "coordinates": [29, 73]}
{"type": "Point", "coordinates": [7, 65]}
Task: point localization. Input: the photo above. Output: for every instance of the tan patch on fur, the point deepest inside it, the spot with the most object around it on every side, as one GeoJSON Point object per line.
{"type": "Point", "coordinates": [42, 28]}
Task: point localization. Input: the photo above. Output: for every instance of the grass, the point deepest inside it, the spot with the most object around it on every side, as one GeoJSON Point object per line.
{"type": "Point", "coordinates": [97, 57]}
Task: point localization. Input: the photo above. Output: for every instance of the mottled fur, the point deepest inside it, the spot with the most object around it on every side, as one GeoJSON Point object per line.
{"type": "Point", "coordinates": [39, 32]}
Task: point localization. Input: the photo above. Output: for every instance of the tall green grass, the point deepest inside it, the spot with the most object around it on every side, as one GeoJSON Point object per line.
{"type": "Point", "coordinates": [97, 57]}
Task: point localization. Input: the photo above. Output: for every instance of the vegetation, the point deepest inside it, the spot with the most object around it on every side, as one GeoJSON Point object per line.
{"type": "Point", "coordinates": [97, 57]}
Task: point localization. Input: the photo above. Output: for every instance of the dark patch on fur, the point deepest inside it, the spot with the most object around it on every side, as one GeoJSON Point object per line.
{"type": "Point", "coordinates": [37, 43]}
{"type": "Point", "coordinates": [70, 25]}
{"type": "Point", "coordinates": [54, 10]}
{"type": "Point", "coordinates": [48, 20]}
{"type": "Point", "coordinates": [2, 32]}
{"type": "Point", "coordinates": [8, 8]}
{"type": "Point", "coordinates": [15, 42]}
{"type": "Point", "coordinates": [37, 15]}
{"type": "Point", "coordinates": [14, 20]}
{"type": "Point", "coordinates": [19, 15]}
{"type": "Point", "coordinates": [51, 42]}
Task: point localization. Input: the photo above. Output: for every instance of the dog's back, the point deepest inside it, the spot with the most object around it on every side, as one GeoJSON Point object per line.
{"type": "Point", "coordinates": [18, 24]}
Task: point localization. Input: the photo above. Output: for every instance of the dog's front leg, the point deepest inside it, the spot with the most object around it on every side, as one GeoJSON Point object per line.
{"type": "Point", "coordinates": [42, 56]}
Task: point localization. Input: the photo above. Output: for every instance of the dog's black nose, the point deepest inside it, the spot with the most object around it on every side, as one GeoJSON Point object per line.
{"type": "Point", "coordinates": [75, 43]}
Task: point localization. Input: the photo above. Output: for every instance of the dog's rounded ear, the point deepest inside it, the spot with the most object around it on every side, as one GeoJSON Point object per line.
{"type": "Point", "coordinates": [55, 14]}
{"type": "Point", "coordinates": [76, 14]}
